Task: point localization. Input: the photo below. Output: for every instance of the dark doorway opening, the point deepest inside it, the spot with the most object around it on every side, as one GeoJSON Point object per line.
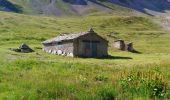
{"type": "Point", "coordinates": [90, 48]}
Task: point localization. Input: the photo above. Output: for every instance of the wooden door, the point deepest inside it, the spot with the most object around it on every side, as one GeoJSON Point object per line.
{"type": "Point", "coordinates": [94, 49]}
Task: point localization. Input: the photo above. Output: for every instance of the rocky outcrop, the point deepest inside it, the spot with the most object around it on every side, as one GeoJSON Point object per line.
{"type": "Point", "coordinates": [23, 48]}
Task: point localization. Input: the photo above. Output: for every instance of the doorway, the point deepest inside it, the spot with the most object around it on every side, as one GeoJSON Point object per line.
{"type": "Point", "coordinates": [90, 48]}
{"type": "Point", "coordinates": [94, 49]}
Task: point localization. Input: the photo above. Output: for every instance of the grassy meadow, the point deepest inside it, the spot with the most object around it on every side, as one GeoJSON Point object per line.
{"type": "Point", "coordinates": [43, 76]}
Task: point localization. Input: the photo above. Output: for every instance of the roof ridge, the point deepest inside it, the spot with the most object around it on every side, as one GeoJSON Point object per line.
{"type": "Point", "coordinates": [69, 36]}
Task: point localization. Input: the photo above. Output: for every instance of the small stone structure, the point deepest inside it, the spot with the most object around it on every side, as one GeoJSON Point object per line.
{"type": "Point", "coordinates": [129, 47]}
{"type": "Point", "coordinates": [121, 45]}
{"type": "Point", "coordinates": [83, 44]}
{"type": "Point", "coordinates": [23, 48]}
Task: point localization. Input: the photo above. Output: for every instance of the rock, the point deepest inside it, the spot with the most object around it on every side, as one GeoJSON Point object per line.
{"type": "Point", "coordinates": [130, 47]}
{"type": "Point", "coordinates": [59, 52]}
{"type": "Point", "coordinates": [119, 44]}
{"type": "Point", "coordinates": [63, 54]}
{"type": "Point", "coordinates": [54, 52]}
{"type": "Point", "coordinates": [24, 48]}
{"type": "Point", "coordinates": [70, 54]}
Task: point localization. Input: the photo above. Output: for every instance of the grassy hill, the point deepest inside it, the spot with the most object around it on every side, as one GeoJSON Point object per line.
{"type": "Point", "coordinates": [40, 75]}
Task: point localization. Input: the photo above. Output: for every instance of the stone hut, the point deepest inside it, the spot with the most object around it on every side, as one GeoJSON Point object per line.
{"type": "Point", "coordinates": [84, 44]}
{"type": "Point", "coordinates": [119, 44]}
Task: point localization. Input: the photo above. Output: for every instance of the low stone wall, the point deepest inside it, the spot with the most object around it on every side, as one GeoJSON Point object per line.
{"type": "Point", "coordinates": [58, 52]}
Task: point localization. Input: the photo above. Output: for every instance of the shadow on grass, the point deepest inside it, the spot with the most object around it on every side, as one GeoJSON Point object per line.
{"type": "Point", "coordinates": [115, 57]}
{"type": "Point", "coordinates": [107, 57]}
{"type": "Point", "coordinates": [21, 51]}
{"type": "Point", "coordinates": [135, 51]}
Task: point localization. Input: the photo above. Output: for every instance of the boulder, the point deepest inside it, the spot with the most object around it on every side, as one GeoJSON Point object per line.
{"type": "Point", "coordinates": [59, 52]}
{"type": "Point", "coordinates": [130, 47]}
{"type": "Point", "coordinates": [24, 48]}
{"type": "Point", "coordinates": [119, 44]}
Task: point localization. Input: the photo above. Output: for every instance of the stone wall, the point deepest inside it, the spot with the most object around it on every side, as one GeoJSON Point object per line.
{"type": "Point", "coordinates": [63, 48]}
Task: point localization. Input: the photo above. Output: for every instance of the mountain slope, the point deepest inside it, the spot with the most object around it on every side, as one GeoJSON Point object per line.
{"type": "Point", "coordinates": [84, 7]}
{"type": "Point", "coordinates": [57, 7]}
{"type": "Point", "coordinates": [152, 7]}
{"type": "Point", "coordinates": [6, 5]}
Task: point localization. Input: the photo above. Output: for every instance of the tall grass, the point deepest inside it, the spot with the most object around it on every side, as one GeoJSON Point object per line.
{"type": "Point", "coordinates": [40, 75]}
{"type": "Point", "coordinates": [33, 79]}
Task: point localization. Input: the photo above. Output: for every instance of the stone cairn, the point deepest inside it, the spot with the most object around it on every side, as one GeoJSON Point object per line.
{"type": "Point", "coordinates": [23, 48]}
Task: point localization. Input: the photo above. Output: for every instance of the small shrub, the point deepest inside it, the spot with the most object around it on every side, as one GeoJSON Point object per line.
{"type": "Point", "coordinates": [144, 84]}
{"type": "Point", "coordinates": [101, 78]}
{"type": "Point", "coordinates": [107, 93]}
{"type": "Point", "coordinates": [83, 80]}
{"type": "Point", "coordinates": [157, 88]}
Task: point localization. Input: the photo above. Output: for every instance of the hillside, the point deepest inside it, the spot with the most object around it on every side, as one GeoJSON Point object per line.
{"type": "Point", "coordinates": [39, 75]}
{"type": "Point", "coordinates": [151, 7]}
{"type": "Point", "coordinates": [86, 7]}
{"type": "Point", "coordinates": [56, 7]}
{"type": "Point", "coordinates": [23, 27]}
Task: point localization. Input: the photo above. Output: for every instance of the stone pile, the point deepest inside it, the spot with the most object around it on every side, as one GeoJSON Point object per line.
{"type": "Point", "coordinates": [23, 48]}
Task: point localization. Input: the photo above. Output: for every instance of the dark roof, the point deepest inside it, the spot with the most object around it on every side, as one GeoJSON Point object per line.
{"type": "Point", "coordinates": [69, 36]}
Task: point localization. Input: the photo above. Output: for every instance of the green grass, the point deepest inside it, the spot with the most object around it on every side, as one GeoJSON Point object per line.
{"type": "Point", "coordinates": [40, 75]}
{"type": "Point", "coordinates": [34, 79]}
